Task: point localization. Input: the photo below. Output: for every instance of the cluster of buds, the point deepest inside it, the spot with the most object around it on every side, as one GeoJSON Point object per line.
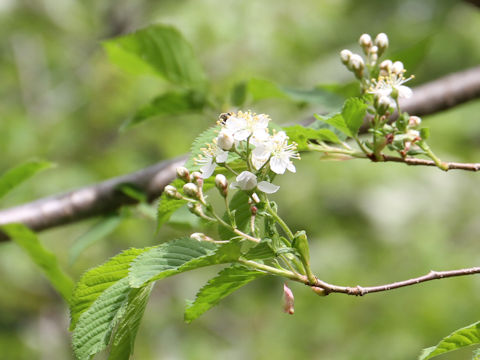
{"type": "Point", "coordinates": [372, 50]}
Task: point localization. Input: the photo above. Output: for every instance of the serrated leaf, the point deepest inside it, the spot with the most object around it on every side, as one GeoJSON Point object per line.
{"type": "Point", "coordinates": [170, 103]}
{"type": "Point", "coordinates": [46, 260]}
{"type": "Point", "coordinates": [353, 112]}
{"type": "Point", "coordinates": [303, 136]}
{"type": "Point", "coordinates": [15, 176]}
{"type": "Point", "coordinates": [199, 143]}
{"type": "Point", "coordinates": [94, 328]}
{"type": "Point", "coordinates": [98, 231]}
{"type": "Point", "coordinates": [124, 339]}
{"type": "Point", "coordinates": [239, 204]}
{"type": "Point", "coordinates": [261, 251]}
{"type": "Point", "coordinates": [95, 281]}
{"type": "Point", "coordinates": [226, 282]}
{"type": "Point", "coordinates": [179, 256]}
{"type": "Point", "coordinates": [337, 121]}
{"type": "Point", "coordinates": [157, 49]}
{"type": "Point", "coordinates": [466, 336]}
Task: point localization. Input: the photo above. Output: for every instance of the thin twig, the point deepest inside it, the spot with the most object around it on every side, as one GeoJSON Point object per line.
{"type": "Point", "coordinates": [423, 162]}
{"type": "Point", "coordinates": [360, 291]}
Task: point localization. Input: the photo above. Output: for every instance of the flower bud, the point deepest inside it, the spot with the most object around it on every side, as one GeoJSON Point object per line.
{"type": "Point", "coordinates": [191, 190]}
{"type": "Point", "coordinates": [365, 42]}
{"type": "Point", "coordinates": [382, 42]}
{"type": "Point", "coordinates": [196, 208]}
{"type": "Point", "coordinates": [222, 184]}
{"type": "Point", "coordinates": [198, 236]}
{"type": "Point", "coordinates": [413, 135]}
{"type": "Point", "coordinates": [245, 181]}
{"type": "Point", "coordinates": [172, 192]}
{"type": "Point", "coordinates": [253, 210]}
{"type": "Point", "coordinates": [255, 198]}
{"type": "Point", "coordinates": [357, 65]}
{"type": "Point", "coordinates": [225, 140]}
{"type": "Point", "coordinates": [288, 300]}
{"type": "Point", "coordinates": [385, 67]}
{"type": "Point", "coordinates": [183, 173]}
{"type": "Point", "coordinates": [197, 178]}
{"type": "Point", "coordinates": [414, 121]}
{"type": "Point", "coordinates": [397, 67]}
{"type": "Point", "coordinates": [345, 56]}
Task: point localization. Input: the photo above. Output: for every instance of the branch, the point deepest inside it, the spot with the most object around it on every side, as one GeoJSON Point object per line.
{"type": "Point", "coordinates": [360, 291]}
{"type": "Point", "coordinates": [92, 200]}
{"type": "Point", "coordinates": [103, 197]}
{"type": "Point", "coordinates": [422, 162]}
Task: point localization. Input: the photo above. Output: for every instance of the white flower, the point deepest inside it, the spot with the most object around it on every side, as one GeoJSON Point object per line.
{"type": "Point", "coordinates": [243, 125]}
{"type": "Point", "coordinates": [279, 151]}
{"type": "Point", "coordinates": [212, 155]}
{"type": "Point", "coordinates": [248, 181]}
{"type": "Point", "coordinates": [391, 85]}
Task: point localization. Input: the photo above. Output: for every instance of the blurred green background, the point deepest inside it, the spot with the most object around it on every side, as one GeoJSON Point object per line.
{"type": "Point", "coordinates": [61, 99]}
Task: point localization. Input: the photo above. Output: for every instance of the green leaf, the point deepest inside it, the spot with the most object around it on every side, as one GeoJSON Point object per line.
{"type": "Point", "coordinates": [95, 281]}
{"type": "Point", "coordinates": [95, 326]}
{"type": "Point", "coordinates": [261, 251]}
{"type": "Point", "coordinates": [157, 49]}
{"type": "Point", "coordinates": [199, 143]}
{"type": "Point", "coordinates": [124, 338]}
{"type": "Point", "coordinates": [101, 229]}
{"type": "Point", "coordinates": [46, 260]}
{"type": "Point", "coordinates": [20, 173]}
{"type": "Point", "coordinates": [239, 94]}
{"type": "Point", "coordinates": [413, 56]}
{"type": "Point", "coordinates": [226, 282]}
{"type": "Point", "coordinates": [239, 204]}
{"type": "Point", "coordinates": [179, 256]}
{"type": "Point", "coordinates": [424, 133]}
{"type": "Point", "coordinates": [353, 112]}
{"type": "Point", "coordinates": [345, 91]}
{"type": "Point", "coordinates": [337, 121]}
{"type": "Point", "coordinates": [260, 89]}
{"type": "Point", "coordinates": [460, 338]}
{"type": "Point", "coordinates": [170, 103]}
{"type": "Point", "coordinates": [303, 136]}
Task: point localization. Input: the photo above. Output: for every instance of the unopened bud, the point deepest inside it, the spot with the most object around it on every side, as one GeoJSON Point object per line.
{"type": "Point", "coordinates": [414, 121]}
{"type": "Point", "coordinates": [397, 67]}
{"type": "Point", "coordinates": [385, 67]}
{"type": "Point", "coordinates": [357, 65]}
{"type": "Point", "coordinates": [197, 178]}
{"type": "Point", "coordinates": [319, 291]}
{"type": "Point", "coordinates": [255, 198]}
{"type": "Point", "coordinates": [183, 173]}
{"type": "Point", "coordinates": [196, 208]}
{"type": "Point", "coordinates": [172, 192]}
{"type": "Point", "coordinates": [191, 190]}
{"type": "Point", "coordinates": [345, 56]}
{"type": "Point", "coordinates": [253, 210]}
{"type": "Point", "coordinates": [198, 236]}
{"type": "Point", "coordinates": [413, 135]}
{"type": "Point", "coordinates": [365, 42]}
{"type": "Point", "coordinates": [225, 140]}
{"type": "Point", "coordinates": [222, 184]}
{"type": "Point", "coordinates": [288, 304]}
{"type": "Point", "coordinates": [382, 42]}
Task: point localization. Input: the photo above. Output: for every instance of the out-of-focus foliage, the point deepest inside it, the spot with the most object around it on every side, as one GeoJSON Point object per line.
{"type": "Point", "coordinates": [62, 99]}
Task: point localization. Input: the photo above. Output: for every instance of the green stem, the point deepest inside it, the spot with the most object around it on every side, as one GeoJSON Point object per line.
{"type": "Point", "coordinates": [361, 146]}
{"type": "Point", "coordinates": [280, 221]}
{"type": "Point", "coordinates": [280, 272]}
{"type": "Point", "coordinates": [424, 146]}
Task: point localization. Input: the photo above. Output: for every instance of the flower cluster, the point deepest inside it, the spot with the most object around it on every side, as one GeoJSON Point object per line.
{"type": "Point", "coordinates": [265, 153]}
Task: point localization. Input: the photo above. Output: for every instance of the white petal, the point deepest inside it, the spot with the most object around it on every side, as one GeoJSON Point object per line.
{"type": "Point", "coordinates": [291, 167]}
{"type": "Point", "coordinates": [221, 156]}
{"type": "Point", "coordinates": [241, 135]}
{"type": "Point", "coordinates": [404, 92]}
{"type": "Point", "coordinates": [208, 170]}
{"type": "Point", "coordinates": [277, 165]}
{"type": "Point", "coordinates": [267, 187]}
